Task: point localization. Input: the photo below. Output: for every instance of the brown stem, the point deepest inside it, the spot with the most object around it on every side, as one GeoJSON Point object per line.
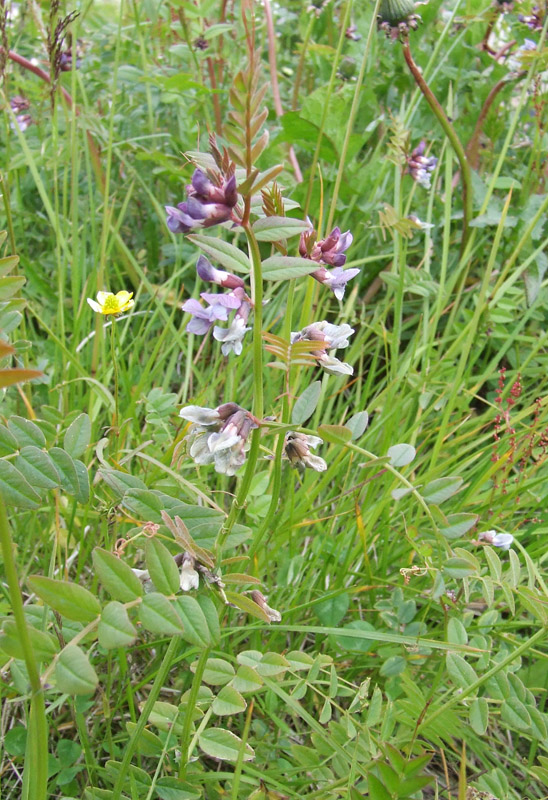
{"type": "Point", "coordinates": [274, 83]}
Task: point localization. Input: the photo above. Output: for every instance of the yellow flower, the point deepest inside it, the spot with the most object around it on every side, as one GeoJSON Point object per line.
{"type": "Point", "coordinates": [108, 303]}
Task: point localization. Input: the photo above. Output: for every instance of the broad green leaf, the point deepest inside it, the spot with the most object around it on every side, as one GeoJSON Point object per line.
{"type": "Point", "coordinates": [376, 789]}
{"type": "Point", "coordinates": [8, 442]}
{"type": "Point", "coordinates": [374, 711]}
{"type": "Point", "coordinates": [37, 467]}
{"type": "Point", "coordinates": [136, 776]}
{"type": "Point", "coordinates": [171, 788]}
{"type": "Point", "coordinates": [357, 424]}
{"type": "Point", "coordinates": [228, 701]}
{"type": "Point", "coordinates": [331, 611]}
{"type": "Point", "coordinates": [247, 679]}
{"type": "Point", "coordinates": [82, 495]}
{"type": "Point", "coordinates": [196, 629]}
{"type": "Point", "coordinates": [338, 434]}
{"type": "Point", "coordinates": [515, 714]}
{"type": "Point", "coordinates": [538, 725]}
{"type": "Point", "coordinates": [74, 673]}
{"type": "Point", "coordinates": [70, 599]}
{"type": "Point", "coordinates": [7, 263]}
{"type": "Point", "coordinates": [15, 489]}
{"type": "Point", "coordinates": [149, 744]}
{"type": "Point", "coordinates": [225, 254]}
{"type": "Point", "coordinates": [401, 454]}
{"type": "Point", "coordinates": [158, 615]}
{"type": "Point", "coordinates": [162, 568]}
{"type": "Point", "coordinates": [77, 436]}
{"type": "Point", "coordinates": [143, 504]}
{"type": "Point", "coordinates": [283, 268]}
{"type": "Point", "coordinates": [460, 672]}
{"type": "Point", "coordinates": [212, 617]}
{"type": "Point", "coordinates": [116, 576]}
{"type": "Point", "coordinates": [442, 489]}
{"type": "Point", "coordinates": [217, 672]}
{"type": "Point", "coordinates": [305, 405]}
{"type": "Point", "coordinates": [222, 744]}
{"type": "Point", "coordinates": [120, 481]}
{"type": "Point", "coordinates": [273, 229]}
{"type": "Point", "coordinates": [10, 285]}
{"type": "Point", "coordinates": [458, 568]}
{"type": "Point", "coordinates": [495, 565]}
{"type": "Point", "coordinates": [478, 715]}
{"type": "Point", "coordinates": [67, 471]}
{"type": "Point", "coordinates": [349, 642]}
{"type": "Point", "coordinates": [458, 525]}
{"type": "Point", "coordinates": [272, 664]}
{"type": "Point", "coordinates": [456, 632]}
{"type": "Point", "coordinates": [44, 645]}
{"type": "Point", "coordinates": [246, 604]}
{"type": "Point", "coordinates": [26, 432]}
{"type": "Point", "coordinates": [115, 628]}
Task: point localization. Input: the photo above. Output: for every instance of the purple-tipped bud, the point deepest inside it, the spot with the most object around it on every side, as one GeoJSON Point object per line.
{"type": "Point", "coordinates": [208, 272]}
{"type": "Point", "coordinates": [208, 203]}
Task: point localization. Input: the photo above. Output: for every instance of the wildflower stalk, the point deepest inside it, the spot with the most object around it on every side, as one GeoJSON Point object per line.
{"type": "Point", "coordinates": [451, 135]}
{"type": "Point", "coordinates": [190, 706]}
{"type": "Point", "coordinates": [258, 394]}
{"type": "Point", "coordinates": [115, 371]}
{"type": "Point", "coordinates": [35, 777]}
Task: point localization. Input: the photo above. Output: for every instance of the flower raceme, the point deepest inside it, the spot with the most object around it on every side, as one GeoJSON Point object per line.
{"type": "Point", "coordinates": [219, 436]}
{"type": "Point", "coordinates": [331, 337]}
{"type": "Point", "coordinates": [420, 167]}
{"type": "Point", "coordinates": [108, 303]}
{"type": "Point", "coordinates": [210, 201]}
{"type": "Point", "coordinates": [330, 251]}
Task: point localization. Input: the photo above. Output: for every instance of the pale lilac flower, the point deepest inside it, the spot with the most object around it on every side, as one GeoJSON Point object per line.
{"type": "Point", "coordinates": [19, 105]}
{"type": "Point", "coordinates": [337, 279]}
{"type": "Point", "coordinates": [189, 578]}
{"type": "Point", "coordinates": [218, 308]}
{"type": "Point", "coordinates": [208, 203]}
{"type": "Point", "coordinates": [420, 167]}
{"type": "Point", "coordinates": [297, 450]}
{"type": "Point", "coordinates": [231, 337]}
{"type": "Point", "coordinates": [502, 540]}
{"type": "Point", "coordinates": [208, 272]}
{"type": "Point", "coordinates": [219, 436]}
{"type": "Point", "coordinates": [259, 598]}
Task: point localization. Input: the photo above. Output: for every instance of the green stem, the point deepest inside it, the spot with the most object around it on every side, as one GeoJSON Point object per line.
{"type": "Point", "coordinates": [258, 401]}
{"type": "Point", "coordinates": [467, 197]}
{"type": "Point", "coordinates": [115, 372]}
{"type": "Point", "coordinates": [157, 686]}
{"type": "Point", "coordinates": [35, 778]}
{"type": "Point", "coordinates": [191, 702]}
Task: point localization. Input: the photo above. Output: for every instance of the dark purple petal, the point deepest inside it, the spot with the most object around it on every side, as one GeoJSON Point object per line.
{"type": "Point", "coordinates": [231, 192]}
{"type": "Point", "coordinates": [201, 184]}
{"type": "Point", "coordinates": [345, 241]}
{"type": "Point", "coordinates": [206, 270]}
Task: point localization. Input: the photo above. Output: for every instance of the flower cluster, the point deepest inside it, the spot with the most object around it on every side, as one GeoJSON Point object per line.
{"type": "Point", "coordinates": [420, 167]}
{"type": "Point", "coordinates": [220, 435]}
{"type": "Point", "coordinates": [218, 307]}
{"type": "Point", "coordinates": [297, 450]}
{"type": "Point", "coordinates": [397, 17]}
{"type": "Point", "coordinates": [330, 251]}
{"type": "Point", "coordinates": [210, 200]}
{"type": "Point", "coordinates": [330, 337]}
{"type": "Point", "coordinates": [20, 105]}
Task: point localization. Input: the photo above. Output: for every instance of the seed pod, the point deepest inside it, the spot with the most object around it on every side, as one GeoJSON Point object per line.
{"type": "Point", "coordinates": [396, 11]}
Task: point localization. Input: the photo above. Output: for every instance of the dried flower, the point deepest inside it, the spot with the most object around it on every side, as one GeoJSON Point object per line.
{"type": "Point", "coordinates": [259, 598]}
{"type": "Point", "coordinates": [109, 303]}
{"type": "Point", "coordinates": [208, 203]}
{"type": "Point", "coordinates": [332, 337]}
{"type": "Point", "coordinates": [420, 167]}
{"type": "Point", "coordinates": [190, 579]}
{"type": "Point", "coordinates": [219, 436]}
{"type": "Point", "coordinates": [297, 449]}
{"type": "Point", "coordinates": [502, 540]}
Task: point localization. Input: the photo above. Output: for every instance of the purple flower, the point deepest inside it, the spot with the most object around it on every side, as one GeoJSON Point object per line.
{"type": "Point", "coordinates": [218, 308]}
{"type": "Point", "coordinates": [420, 167]}
{"type": "Point", "coordinates": [208, 272]}
{"type": "Point", "coordinates": [329, 251]}
{"type": "Point", "coordinates": [209, 202]}
{"type": "Point", "coordinates": [336, 279]}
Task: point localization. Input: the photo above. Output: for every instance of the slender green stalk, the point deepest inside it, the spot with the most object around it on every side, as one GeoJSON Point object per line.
{"type": "Point", "coordinates": [115, 373]}
{"type": "Point", "coordinates": [157, 686]}
{"type": "Point", "coordinates": [467, 197]}
{"type": "Point", "coordinates": [191, 702]}
{"type": "Point", "coordinates": [35, 778]}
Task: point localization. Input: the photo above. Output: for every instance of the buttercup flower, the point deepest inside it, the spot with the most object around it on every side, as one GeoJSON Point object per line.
{"type": "Point", "coordinates": [333, 337]}
{"type": "Point", "coordinates": [219, 436]}
{"type": "Point", "coordinates": [297, 449]}
{"type": "Point", "coordinates": [502, 540]}
{"type": "Point", "coordinates": [420, 167]}
{"type": "Point", "coordinates": [109, 303]}
{"type": "Point", "coordinates": [259, 598]}
{"type": "Point", "coordinates": [329, 251]}
{"type": "Point", "coordinates": [210, 201]}
{"type": "Point", "coordinates": [190, 579]}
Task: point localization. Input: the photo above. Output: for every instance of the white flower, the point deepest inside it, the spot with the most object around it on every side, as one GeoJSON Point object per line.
{"type": "Point", "coordinates": [502, 540]}
{"type": "Point", "coordinates": [231, 337]}
{"type": "Point", "coordinates": [334, 336]}
{"type": "Point", "coordinates": [201, 416]}
{"type": "Point", "coordinates": [297, 449]}
{"type": "Point", "coordinates": [190, 579]}
{"type": "Point", "coordinates": [333, 366]}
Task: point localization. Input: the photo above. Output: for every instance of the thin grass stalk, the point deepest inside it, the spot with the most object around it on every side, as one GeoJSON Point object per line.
{"type": "Point", "coordinates": [35, 776]}
{"type": "Point", "coordinates": [191, 702]}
